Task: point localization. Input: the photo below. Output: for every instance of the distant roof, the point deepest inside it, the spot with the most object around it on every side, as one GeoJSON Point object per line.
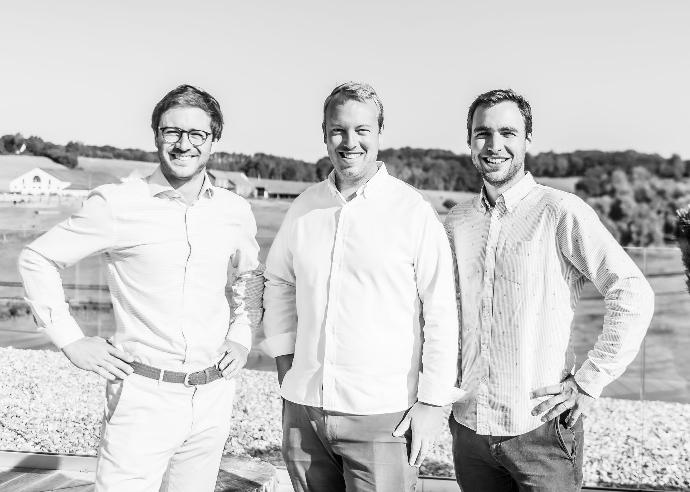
{"type": "Point", "coordinates": [279, 186]}
{"type": "Point", "coordinates": [12, 166]}
{"type": "Point", "coordinates": [81, 180]}
{"type": "Point", "coordinates": [234, 176]}
{"type": "Point", "coordinates": [119, 168]}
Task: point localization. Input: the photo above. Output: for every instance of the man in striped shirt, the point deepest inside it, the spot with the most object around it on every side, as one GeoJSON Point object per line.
{"type": "Point", "coordinates": [523, 252]}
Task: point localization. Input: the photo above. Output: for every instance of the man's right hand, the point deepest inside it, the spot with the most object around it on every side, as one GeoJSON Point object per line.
{"type": "Point", "coordinates": [283, 365]}
{"type": "Point", "coordinates": [96, 355]}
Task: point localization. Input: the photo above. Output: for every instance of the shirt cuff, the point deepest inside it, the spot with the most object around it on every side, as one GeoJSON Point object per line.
{"type": "Point", "coordinates": [241, 334]}
{"type": "Point", "coordinates": [57, 324]}
{"type": "Point", "coordinates": [591, 380]}
{"type": "Point", "coordinates": [277, 345]}
{"type": "Point", "coordinates": [435, 394]}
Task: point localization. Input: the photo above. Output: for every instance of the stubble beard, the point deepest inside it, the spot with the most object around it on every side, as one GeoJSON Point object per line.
{"type": "Point", "coordinates": [498, 182]}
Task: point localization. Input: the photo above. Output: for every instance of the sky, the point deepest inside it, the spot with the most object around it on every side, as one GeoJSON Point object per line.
{"type": "Point", "coordinates": [608, 75]}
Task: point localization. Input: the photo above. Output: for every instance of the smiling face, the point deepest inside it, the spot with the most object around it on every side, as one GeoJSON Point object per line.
{"type": "Point", "coordinates": [182, 161]}
{"type": "Point", "coordinates": [352, 137]}
{"type": "Point", "coordinates": [498, 144]}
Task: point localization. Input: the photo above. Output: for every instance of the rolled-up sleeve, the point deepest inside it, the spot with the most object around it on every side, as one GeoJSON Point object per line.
{"type": "Point", "coordinates": [280, 316]}
{"type": "Point", "coordinates": [629, 299]}
{"type": "Point", "coordinates": [89, 231]}
{"type": "Point", "coordinates": [247, 286]}
{"type": "Point", "coordinates": [436, 288]}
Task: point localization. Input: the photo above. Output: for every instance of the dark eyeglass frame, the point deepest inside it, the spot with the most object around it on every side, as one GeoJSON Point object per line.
{"type": "Point", "coordinates": [181, 132]}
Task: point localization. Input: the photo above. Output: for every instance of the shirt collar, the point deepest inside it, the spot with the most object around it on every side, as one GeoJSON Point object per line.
{"type": "Point", "coordinates": [374, 183]}
{"type": "Point", "coordinates": [512, 196]}
{"type": "Point", "coordinates": [159, 185]}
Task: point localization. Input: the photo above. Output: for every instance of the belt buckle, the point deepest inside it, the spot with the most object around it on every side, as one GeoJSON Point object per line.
{"type": "Point", "coordinates": [189, 374]}
{"type": "Point", "coordinates": [186, 380]}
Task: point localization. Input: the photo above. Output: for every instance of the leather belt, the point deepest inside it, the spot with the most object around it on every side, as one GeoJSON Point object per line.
{"type": "Point", "coordinates": [189, 379]}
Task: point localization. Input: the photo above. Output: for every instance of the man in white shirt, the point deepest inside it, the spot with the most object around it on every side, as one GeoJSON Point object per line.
{"type": "Point", "coordinates": [360, 312]}
{"type": "Point", "coordinates": [168, 241]}
{"type": "Point", "coordinates": [524, 252]}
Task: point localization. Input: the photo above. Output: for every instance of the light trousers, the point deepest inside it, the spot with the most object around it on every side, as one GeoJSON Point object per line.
{"type": "Point", "coordinates": [338, 452]}
{"type": "Point", "coordinates": [163, 436]}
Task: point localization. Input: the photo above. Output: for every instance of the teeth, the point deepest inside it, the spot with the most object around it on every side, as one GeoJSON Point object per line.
{"type": "Point", "coordinates": [497, 160]}
{"type": "Point", "coordinates": [183, 157]}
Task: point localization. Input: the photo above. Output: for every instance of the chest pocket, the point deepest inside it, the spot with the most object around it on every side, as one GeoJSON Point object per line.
{"type": "Point", "coordinates": [521, 261]}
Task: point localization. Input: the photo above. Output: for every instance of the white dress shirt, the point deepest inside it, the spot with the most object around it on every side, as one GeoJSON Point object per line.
{"type": "Point", "coordinates": [167, 270]}
{"type": "Point", "coordinates": [521, 266]}
{"type": "Point", "coordinates": [362, 293]}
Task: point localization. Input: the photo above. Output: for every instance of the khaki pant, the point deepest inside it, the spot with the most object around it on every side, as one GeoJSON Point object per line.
{"type": "Point", "coordinates": [163, 436]}
{"type": "Point", "coordinates": [339, 452]}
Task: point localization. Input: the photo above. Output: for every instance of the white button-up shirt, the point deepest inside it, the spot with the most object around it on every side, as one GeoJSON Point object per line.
{"type": "Point", "coordinates": [362, 293]}
{"type": "Point", "coordinates": [521, 266]}
{"type": "Point", "coordinates": [167, 270]}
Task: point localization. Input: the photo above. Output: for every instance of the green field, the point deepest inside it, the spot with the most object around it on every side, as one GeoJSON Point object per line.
{"type": "Point", "coordinates": [660, 372]}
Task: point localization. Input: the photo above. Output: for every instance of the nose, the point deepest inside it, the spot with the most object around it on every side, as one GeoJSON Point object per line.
{"type": "Point", "coordinates": [350, 139]}
{"type": "Point", "coordinates": [183, 143]}
{"type": "Point", "coordinates": [494, 142]}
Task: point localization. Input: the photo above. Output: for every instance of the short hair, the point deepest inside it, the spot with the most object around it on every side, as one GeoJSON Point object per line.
{"type": "Point", "coordinates": [188, 95]}
{"type": "Point", "coordinates": [357, 91]}
{"type": "Point", "coordinates": [496, 96]}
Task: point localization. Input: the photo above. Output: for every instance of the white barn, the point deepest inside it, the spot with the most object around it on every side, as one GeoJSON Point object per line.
{"type": "Point", "coordinates": [63, 182]}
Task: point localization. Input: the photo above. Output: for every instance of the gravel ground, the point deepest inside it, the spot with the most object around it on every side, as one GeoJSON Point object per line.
{"type": "Point", "coordinates": [48, 405]}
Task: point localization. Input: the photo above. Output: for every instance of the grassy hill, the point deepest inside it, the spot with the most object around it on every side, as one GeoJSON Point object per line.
{"type": "Point", "coordinates": [119, 168]}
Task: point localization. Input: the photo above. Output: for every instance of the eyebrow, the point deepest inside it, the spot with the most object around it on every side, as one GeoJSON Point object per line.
{"type": "Point", "coordinates": [502, 129]}
{"type": "Point", "coordinates": [337, 124]}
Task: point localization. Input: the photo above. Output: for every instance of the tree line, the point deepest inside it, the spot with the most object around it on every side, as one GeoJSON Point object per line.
{"type": "Point", "coordinates": [635, 194]}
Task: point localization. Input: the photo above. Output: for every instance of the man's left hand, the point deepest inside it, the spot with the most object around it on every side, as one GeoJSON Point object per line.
{"type": "Point", "coordinates": [565, 396]}
{"type": "Point", "coordinates": [426, 422]}
{"type": "Point", "coordinates": [234, 359]}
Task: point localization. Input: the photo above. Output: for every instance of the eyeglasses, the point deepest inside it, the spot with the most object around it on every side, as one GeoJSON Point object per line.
{"type": "Point", "coordinates": [173, 135]}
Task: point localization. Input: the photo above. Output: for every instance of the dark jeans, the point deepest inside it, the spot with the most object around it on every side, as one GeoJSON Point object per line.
{"type": "Point", "coordinates": [549, 458]}
{"type": "Point", "coordinates": [334, 452]}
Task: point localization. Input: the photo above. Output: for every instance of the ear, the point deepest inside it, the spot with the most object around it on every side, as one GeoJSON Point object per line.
{"type": "Point", "coordinates": [380, 137]}
{"type": "Point", "coordinates": [210, 149]}
{"type": "Point", "coordinates": [323, 131]}
{"type": "Point", "coordinates": [528, 141]}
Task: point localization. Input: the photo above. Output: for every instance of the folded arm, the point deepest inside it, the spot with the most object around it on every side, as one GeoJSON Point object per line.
{"type": "Point", "coordinates": [585, 244]}
{"type": "Point", "coordinates": [246, 300]}
{"type": "Point", "coordinates": [589, 247]}
{"type": "Point", "coordinates": [87, 232]}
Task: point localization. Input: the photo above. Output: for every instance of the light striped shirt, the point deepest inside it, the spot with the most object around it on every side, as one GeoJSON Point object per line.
{"type": "Point", "coordinates": [167, 269]}
{"type": "Point", "coordinates": [361, 292]}
{"type": "Point", "coordinates": [521, 266]}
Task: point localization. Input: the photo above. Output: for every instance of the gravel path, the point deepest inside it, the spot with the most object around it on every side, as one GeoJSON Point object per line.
{"type": "Point", "coordinates": [48, 405]}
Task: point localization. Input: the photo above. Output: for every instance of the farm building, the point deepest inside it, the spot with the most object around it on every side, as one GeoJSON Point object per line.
{"type": "Point", "coordinates": [234, 181]}
{"type": "Point", "coordinates": [276, 188]}
{"type": "Point", "coordinates": [12, 166]}
{"type": "Point", "coordinates": [65, 182]}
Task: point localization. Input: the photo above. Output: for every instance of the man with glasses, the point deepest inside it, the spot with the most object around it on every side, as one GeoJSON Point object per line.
{"type": "Point", "coordinates": [168, 241]}
{"type": "Point", "coordinates": [524, 252]}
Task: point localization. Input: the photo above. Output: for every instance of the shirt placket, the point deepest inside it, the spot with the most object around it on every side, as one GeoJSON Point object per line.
{"type": "Point", "coordinates": [329, 373]}
{"type": "Point", "coordinates": [189, 225]}
{"type": "Point", "coordinates": [485, 319]}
